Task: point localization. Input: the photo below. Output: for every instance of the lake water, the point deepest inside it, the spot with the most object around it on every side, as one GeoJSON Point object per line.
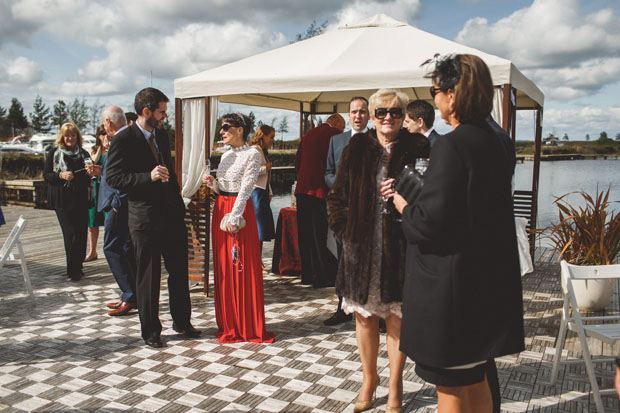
{"type": "Point", "coordinates": [556, 179]}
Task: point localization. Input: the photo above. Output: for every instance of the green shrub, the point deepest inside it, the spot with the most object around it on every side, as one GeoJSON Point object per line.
{"type": "Point", "coordinates": [20, 166]}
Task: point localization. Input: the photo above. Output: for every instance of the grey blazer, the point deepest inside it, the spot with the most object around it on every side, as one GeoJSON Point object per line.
{"type": "Point", "coordinates": [336, 145]}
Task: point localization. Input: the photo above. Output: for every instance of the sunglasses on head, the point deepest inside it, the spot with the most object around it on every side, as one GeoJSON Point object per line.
{"type": "Point", "coordinates": [226, 126]}
{"type": "Point", "coordinates": [395, 113]}
{"type": "Point", "coordinates": [434, 91]}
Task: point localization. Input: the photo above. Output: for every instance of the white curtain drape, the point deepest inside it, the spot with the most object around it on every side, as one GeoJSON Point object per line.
{"type": "Point", "coordinates": [498, 105]}
{"type": "Point", "coordinates": [193, 143]}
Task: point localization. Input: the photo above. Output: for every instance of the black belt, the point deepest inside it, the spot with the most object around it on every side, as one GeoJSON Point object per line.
{"type": "Point", "coordinates": [229, 193]}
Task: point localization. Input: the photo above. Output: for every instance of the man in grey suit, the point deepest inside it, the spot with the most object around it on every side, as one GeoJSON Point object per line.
{"type": "Point", "coordinates": [358, 118]}
{"type": "Point", "coordinates": [419, 118]}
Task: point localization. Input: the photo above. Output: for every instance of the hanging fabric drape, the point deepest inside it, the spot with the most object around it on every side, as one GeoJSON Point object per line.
{"type": "Point", "coordinates": [194, 147]}
{"type": "Point", "coordinates": [498, 105]}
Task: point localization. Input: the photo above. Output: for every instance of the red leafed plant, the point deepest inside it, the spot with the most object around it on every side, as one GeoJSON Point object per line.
{"type": "Point", "coordinates": [588, 235]}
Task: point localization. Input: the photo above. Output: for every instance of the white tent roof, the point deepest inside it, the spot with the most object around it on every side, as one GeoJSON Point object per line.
{"type": "Point", "coordinates": [329, 69]}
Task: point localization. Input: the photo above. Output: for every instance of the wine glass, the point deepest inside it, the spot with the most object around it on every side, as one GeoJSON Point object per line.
{"type": "Point", "coordinates": [386, 201]}
{"type": "Point", "coordinates": [421, 165]}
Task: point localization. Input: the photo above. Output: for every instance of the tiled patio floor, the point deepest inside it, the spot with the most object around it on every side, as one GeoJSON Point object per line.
{"type": "Point", "coordinates": [64, 353]}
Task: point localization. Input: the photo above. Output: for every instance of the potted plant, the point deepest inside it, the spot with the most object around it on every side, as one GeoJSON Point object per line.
{"type": "Point", "coordinates": [587, 235]}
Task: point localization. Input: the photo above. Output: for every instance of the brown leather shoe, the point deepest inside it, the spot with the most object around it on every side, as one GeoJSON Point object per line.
{"type": "Point", "coordinates": [122, 309]}
{"type": "Point", "coordinates": [115, 304]}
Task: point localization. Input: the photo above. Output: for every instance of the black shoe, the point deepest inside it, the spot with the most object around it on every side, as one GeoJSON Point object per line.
{"type": "Point", "coordinates": [154, 342]}
{"type": "Point", "coordinates": [338, 317]}
{"type": "Point", "coordinates": [189, 331]}
{"type": "Point", "coordinates": [76, 277]}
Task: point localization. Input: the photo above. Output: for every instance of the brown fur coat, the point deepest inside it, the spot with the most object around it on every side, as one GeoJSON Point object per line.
{"type": "Point", "coordinates": [351, 204]}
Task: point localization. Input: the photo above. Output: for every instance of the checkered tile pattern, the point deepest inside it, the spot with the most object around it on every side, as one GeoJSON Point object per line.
{"type": "Point", "coordinates": [64, 353]}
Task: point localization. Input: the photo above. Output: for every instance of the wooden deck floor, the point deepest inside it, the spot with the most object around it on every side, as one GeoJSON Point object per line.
{"type": "Point", "coordinates": [63, 353]}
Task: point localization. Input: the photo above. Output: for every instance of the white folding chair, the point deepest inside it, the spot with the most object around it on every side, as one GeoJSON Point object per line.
{"type": "Point", "coordinates": [603, 330]}
{"type": "Point", "coordinates": [7, 257]}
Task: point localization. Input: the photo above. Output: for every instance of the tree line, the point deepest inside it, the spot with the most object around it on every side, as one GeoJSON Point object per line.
{"type": "Point", "coordinates": [42, 119]}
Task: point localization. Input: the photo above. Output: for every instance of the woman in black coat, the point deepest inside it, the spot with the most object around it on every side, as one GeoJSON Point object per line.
{"type": "Point", "coordinates": [68, 183]}
{"type": "Point", "coordinates": [372, 265]}
{"type": "Point", "coordinates": [462, 298]}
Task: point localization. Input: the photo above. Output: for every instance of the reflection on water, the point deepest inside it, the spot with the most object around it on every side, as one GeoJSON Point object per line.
{"type": "Point", "coordinates": [556, 179]}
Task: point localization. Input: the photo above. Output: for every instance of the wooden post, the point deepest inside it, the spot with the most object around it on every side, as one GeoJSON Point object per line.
{"type": "Point", "coordinates": [178, 140]}
{"type": "Point", "coordinates": [536, 173]}
{"type": "Point", "coordinates": [513, 116]}
{"type": "Point", "coordinates": [506, 108]}
{"type": "Point", "coordinates": [301, 120]}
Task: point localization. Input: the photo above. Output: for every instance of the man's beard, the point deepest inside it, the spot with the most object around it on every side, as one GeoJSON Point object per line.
{"type": "Point", "coordinates": [153, 123]}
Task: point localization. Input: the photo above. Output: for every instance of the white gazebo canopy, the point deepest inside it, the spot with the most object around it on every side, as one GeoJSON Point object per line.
{"type": "Point", "coordinates": [322, 73]}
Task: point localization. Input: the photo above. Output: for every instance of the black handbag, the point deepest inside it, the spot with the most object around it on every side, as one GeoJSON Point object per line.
{"type": "Point", "coordinates": [409, 184]}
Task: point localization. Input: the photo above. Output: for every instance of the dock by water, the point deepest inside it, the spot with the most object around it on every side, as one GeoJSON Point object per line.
{"type": "Point", "coordinates": [64, 353]}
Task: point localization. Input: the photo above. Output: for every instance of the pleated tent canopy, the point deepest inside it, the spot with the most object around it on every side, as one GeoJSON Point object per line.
{"type": "Point", "coordinates": [322, 73]}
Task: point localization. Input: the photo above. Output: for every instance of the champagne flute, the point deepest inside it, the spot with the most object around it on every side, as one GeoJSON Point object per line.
{"type": "Point", "coordinates": [421, 165]}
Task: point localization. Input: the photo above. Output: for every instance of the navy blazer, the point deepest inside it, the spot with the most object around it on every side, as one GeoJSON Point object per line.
{"type": "Point", "coordinates": [336, 145]}
{"type": "Point", "coordinates": [109, 198]}
{"type": "Point", "coordinates": [432, 137]}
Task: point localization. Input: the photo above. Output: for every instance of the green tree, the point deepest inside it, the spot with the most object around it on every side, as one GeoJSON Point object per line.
{"type": "Point", "coordinates": [16, 119]}
{"type": "Point", "coordinates": [94, 115]}
{"type": "Point", "coordinates": [78, 112]}
{"type": "Point", "coordinates": [311, 31]}
{"type": "Point", "coordinates": [587, 137]}
{"type": "Point", "coordinates": [283, 127]}
{"type": "Point", "coordinates": [253, 126]}
{"type": "Point", "coordinates": [617, 136]}
{"type": "Point", "coordinates": [3, 126]}
{"type": "Point", "coordinates": [40, 116]}
{"type": "Point", "coordinates": [603, 137]}
{"type": "Point", "coordinates": [60, 114]}
{"type": "Point", "coordinates": [565, 137]}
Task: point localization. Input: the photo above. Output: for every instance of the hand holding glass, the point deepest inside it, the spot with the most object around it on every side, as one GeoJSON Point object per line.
{"type": "Point", "coordinates": [421, 165]}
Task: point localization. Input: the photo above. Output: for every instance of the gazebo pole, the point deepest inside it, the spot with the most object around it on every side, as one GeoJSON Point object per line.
{"type": "Point", "coordinates": [536, 173]}
{"type": "Point", "coordinates": [178, 140]}
{"type": "Point", "coordinates": [506, 112]}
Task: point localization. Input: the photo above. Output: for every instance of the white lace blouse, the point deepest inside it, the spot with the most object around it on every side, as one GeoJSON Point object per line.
{"type": "Point", "coordinates": [237, 172]}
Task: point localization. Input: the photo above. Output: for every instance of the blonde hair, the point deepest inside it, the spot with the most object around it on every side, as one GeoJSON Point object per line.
{"type": "Point", "coordinates": [65, 129]}
{"type": "Point", "coordinates": [394, 97]}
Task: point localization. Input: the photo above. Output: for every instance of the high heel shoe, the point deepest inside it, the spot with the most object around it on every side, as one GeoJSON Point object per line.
{"type": "Point", "coordinates": [389, 409]}
{"type": "Point", "coordinates": [363, 405]}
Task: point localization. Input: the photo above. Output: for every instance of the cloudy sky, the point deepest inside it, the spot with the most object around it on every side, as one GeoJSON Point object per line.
{"type": "Point", "coordinates": [107, 50]}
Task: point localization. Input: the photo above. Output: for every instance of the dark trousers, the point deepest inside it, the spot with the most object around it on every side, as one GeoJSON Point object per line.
{"type": "Point", "coordinates": [169, 242]}
{"type": "Point", "coordinates": [118, 252]}
{"type": "Point", "coordinates": [74, 225]}
{"type": "Point", "coordinates": [318, 265]}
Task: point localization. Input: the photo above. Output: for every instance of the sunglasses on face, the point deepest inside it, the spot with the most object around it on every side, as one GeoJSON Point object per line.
{"type": "Point", "coordinates": [226, 126]}
{"type": "Point", "coordinates": [395, 113]}
{"type": "Point", "coordinates": [434, 91]}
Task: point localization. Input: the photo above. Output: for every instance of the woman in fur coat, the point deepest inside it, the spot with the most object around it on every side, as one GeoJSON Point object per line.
{"type": "Point", "coordinates": [372, 267]}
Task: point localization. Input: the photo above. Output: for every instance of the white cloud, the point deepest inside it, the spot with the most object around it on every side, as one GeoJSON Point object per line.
{"type": "Point", "coordinates": [564, 49]}
{"type": "Point", "coordinates": [20, 72]}
{"type": "Point", "coordinates": [403, 10]}
{"type": "Point", "coordinates": [579, 122]}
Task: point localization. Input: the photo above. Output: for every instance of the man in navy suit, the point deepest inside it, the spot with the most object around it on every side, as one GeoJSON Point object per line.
{"type": "Point", "coordinates": [139, 163]}
{"type": "Point", "coordinates": [420, 118]}
{"type": "Point", "coordinates": [116, 242]}
{"type": "Point", "coordinates": [358, 118]}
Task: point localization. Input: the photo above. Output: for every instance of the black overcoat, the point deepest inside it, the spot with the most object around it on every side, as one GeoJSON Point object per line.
{"type": "Point", "coordinates": [462, 296]}
{"type": "Point", "coordinates": [351, 209]}
{"type": "Point", "coordinates": [64, 195]}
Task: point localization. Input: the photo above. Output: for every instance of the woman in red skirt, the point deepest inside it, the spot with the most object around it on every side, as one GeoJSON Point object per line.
{"type": "Point", "coordinates": [238, 286]}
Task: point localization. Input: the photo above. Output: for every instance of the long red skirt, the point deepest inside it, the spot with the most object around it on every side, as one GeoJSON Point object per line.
{"type": "Point", "coordinates": [238, 286]}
